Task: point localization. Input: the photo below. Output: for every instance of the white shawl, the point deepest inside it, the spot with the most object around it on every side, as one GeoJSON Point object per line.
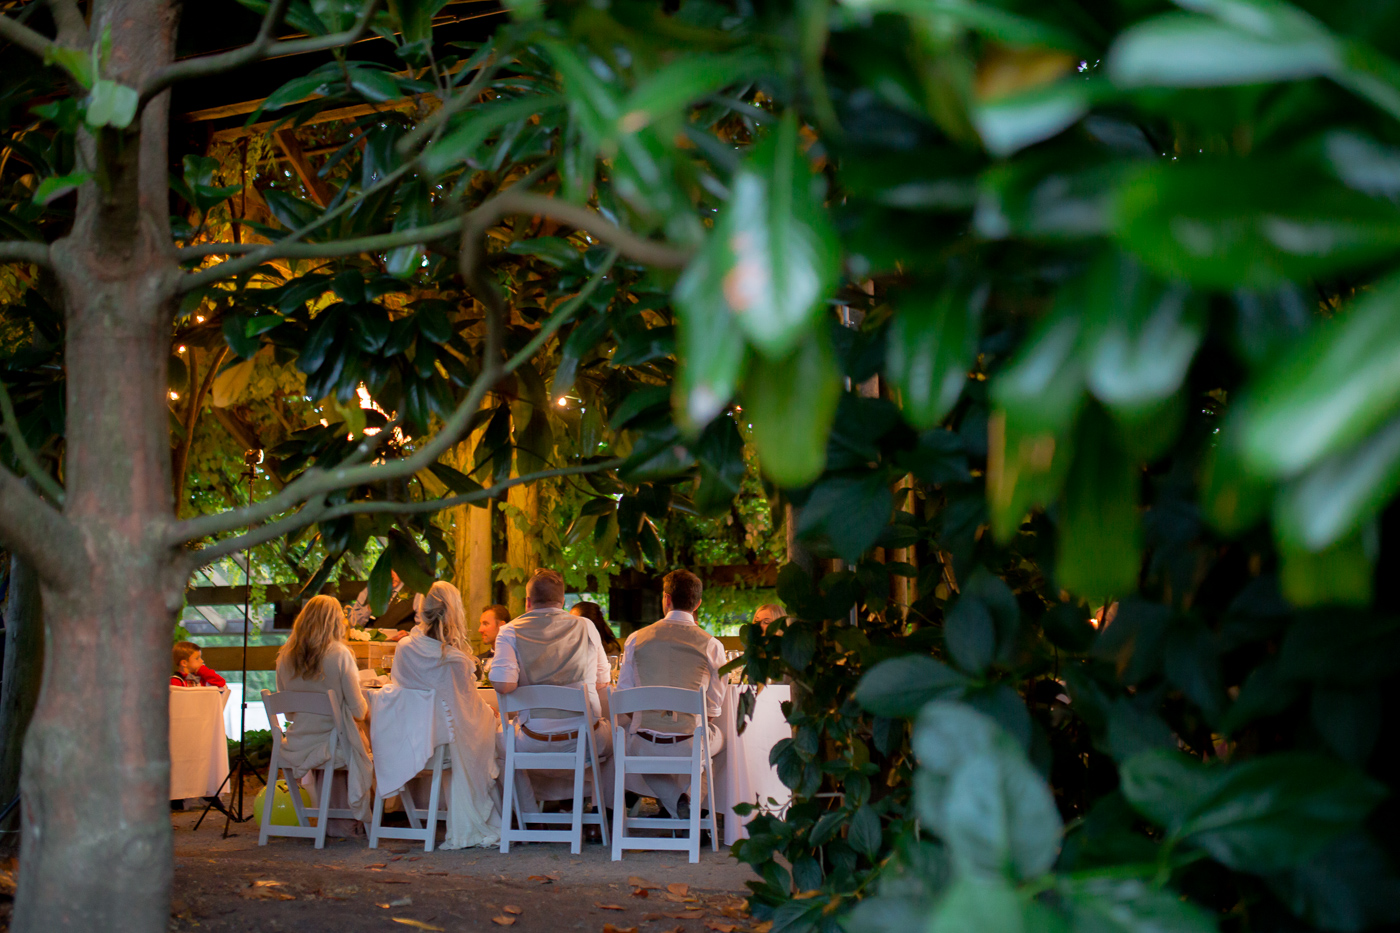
{"type": "Point", "coordinates": [474, 810]}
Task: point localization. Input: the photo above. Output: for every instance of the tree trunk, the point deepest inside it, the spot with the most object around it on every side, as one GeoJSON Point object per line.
{"type": "Point", "coordinates": [520, 532]}
{"type": "Point", "coordinates": [96, 843]}
{"type": "Point", "coordinates": [19, 689]}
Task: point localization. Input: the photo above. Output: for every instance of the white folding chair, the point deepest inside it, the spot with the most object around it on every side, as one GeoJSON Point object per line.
{"type": "Point", "coordinates": [661, 699]}
{"type": "Point", "coordinates": [567, 699]}
{"type": "Point", "coordinates": [322, 704]}
{"type": "Point", "coordinates": [384, 745]}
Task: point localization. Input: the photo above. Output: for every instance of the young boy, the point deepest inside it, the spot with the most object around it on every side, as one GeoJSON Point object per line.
{"type": "Point", "coordinates": [190, 670]}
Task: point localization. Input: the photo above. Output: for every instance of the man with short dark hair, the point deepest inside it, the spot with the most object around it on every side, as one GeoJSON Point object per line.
{"type": "Point", "coordinates": [547, 645]}
{"type": "Point", "coordinates": [674, 652]}
{"type": "Point", "coordinates": [492, 618]}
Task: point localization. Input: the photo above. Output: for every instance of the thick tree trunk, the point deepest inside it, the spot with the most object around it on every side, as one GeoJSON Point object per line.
{"type": "Point", "coordinates": [520, 548]}
{"type": "Point", "coordinates": [19, 689]}
{"type": "Point", "coordinates": [96, 844]}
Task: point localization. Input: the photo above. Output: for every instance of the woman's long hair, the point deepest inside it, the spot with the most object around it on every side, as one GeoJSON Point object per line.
{"type": "Point", "coordinates": [320, 623]}
{"type": "Point", "coordinates": [594, 613]}
{"type": "Point", "coordinates": [444, 619]}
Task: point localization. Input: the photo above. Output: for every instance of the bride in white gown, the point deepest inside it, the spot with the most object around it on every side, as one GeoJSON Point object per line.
{"type": "Point", "coordinates": [437, 656]}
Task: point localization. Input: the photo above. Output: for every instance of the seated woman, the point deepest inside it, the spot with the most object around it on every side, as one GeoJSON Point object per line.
{"type": "Point", "coordinates": [437, 656]}
{"type": "Point", "coordinates": [594, 613]}
{"type": "Point", "coordinates": [316, 659]}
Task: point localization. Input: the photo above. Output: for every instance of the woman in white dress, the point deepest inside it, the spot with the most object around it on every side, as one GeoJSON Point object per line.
{"type": "Point", "coordinates": [316, 659]}
{"type": "Point", "coordinates": [437, 656]}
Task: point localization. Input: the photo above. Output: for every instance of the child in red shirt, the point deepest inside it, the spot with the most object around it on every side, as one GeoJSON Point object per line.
{"type": "Point", "coordinates": [190, 670]}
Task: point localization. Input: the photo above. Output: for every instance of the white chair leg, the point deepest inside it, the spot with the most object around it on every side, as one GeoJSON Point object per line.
{"type": "Point", "coordinates": [695, 812]}
{"type": "Point", "coordinates": [619, 792]}
{"type": "Point", "coordinates": [598, 793]}
{"type": "Point", "coordinates": [508, 791]}
{"type": "Point", "coordinates": [376, 821]}
{"type": "Point", "coordinates": [294, 791]}
{"type": "Point", "coordinates": [576, 826]}
{"type": "Point", "coordinates": [322, 817]}
{"type": "Point", "coordinates": [710, 791]}
{"type": "Point", "coordinates": [410, 806]}
{"type": "Point", "coordinates": [433, 794]}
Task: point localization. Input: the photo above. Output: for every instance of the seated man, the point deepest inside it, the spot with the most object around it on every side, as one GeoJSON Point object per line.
{"type": "Point", "coordinates": [399, 614]}
{"type": "Point", "coordinates": [492, 618]}
{"type": "Point", "coordinates": [674, 652]}
{"type": "Point", "coordinates": [547, 645]}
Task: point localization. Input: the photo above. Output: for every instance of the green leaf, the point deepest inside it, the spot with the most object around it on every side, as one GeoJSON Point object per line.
{"type": "Point", "coordinates": [931, 350]}
{"type": "Point", "coordinates": [292, 92]}
{"type": "Point", "coordinates": [710, 343]}
{"type": "Point", "coordinates": [1251, 224]}
{"type": "Point", "coordinates": [1113, 905]}
{"type": "Point", "coordinates": [849, 510]}
{"type": "Point", "coordinates": [460, 143]}
{"type": "Point", "coordinates": [900, 687]}
{"type": "Point", "coordinates": [416, 210]}
{"type": "Point", "coordinates": [381, 583]}
{"type": "Point", "coordinates": [683, 81]}
{"type": "Point", "coordinates": [374, 85]}
{"type": "Point", "coordinates": [791, 404]}
{"type": "Point", "coordinates": [772, 258]}
{"type": "Point", "coordinates": [292, 212]}
{"type": "Point", "coordinates": [1341, 493]}
{"type": "Point", "coordinates": [111, 104]}
{"type": "Point", "coordinates": [77, 62]}
{"type": "Point", "coordinates": [56, 186]}
{"type": "Point", "coordinates": [1011, 123]}
{"type": "Point", "coordinates": [864, 834]}
{"type": "Point", "coordinates": [1251, 43]}
{"type": "Point", "coordinates": [1331, 390]}
{"type": "Point", "coordinates": [1342, 573]}
{"type": "Point", "coordinates": [1099, 553]}
{"type": "Point", "coordinates": [1264, 815]}
{"type": "Point", "coordinates": [970, 635]}
{"type": "Point", "coordinates": [981, 904]}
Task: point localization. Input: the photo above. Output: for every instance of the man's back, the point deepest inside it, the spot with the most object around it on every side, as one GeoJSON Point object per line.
{"type": "Point", "coordinates": [549, 647]}
{"type": "Point", "coordinates": [672, 653]}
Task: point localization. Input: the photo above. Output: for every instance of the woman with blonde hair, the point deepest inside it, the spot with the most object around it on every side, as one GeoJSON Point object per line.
{"type": "Point", "coordinates": [316, 659]}
{"type": "Point", "coordinates": [438, 656]}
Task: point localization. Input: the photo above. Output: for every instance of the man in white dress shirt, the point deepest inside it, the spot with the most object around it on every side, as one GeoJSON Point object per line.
{"type": "Point", "coordinates": [547, 645]}
{"type": "Point", "coordinates": [674, 652]}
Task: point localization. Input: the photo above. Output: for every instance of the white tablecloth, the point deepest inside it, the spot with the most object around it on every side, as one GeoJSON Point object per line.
{"type": "Point", "coordinates": [198, 751]}
{"type": "Point", "coordinates": [742, 771]}
{"type": "Point", "coordinates": [257, 714]}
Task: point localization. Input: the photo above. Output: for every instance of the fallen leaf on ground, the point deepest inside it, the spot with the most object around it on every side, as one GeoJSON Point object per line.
{"type": "Point", "coordinates": [267, 884]}
{"type": "Point", "coordinates": [683, 914]}
{"type": "Point", "coordinates": [721, 927]}
{"type": "Point", "coordinates": [680, 898]}
{"type": "Point", "coordinates": [608, 906]}
{"type": "Point", "coordinates": [609, 928]}
{"type": "Point", "coordinates": [401, 902]}
{"type": "Point", "coordinates": [636, 882]}
{"type": "Point", "coordinates": [415, 858]}
{"type": "Point", "coordinates": [377, 865]}
{"type": "Point", "coordinates": [503, 920]}
{"type": "Point", "coordinates": [763, 927]}
{"type": "Point", "coordinates": [542, 879]}
{"type": "Point", "coordinates": [678, 888]}
{"type": "Point", "coordinates": [512, 909]}
{"type": "Point", "coordinates": [391, 881]}
{"type": "Point", "coordinates": [416, 924]}
{"type": "Point", "coordinates": [396, 858]}
{"type": "Point", "coordinates": [640, 892]}
{"type": "Point", "coordinates": [435, 873]}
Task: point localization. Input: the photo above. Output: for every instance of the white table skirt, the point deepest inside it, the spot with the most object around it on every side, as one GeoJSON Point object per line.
{"type": "Point", "coordinates": [742, 771]}
{"type": "Point", "coordinates": [198, 751]}
{"type": "Point", "coordinates": [257, 713]}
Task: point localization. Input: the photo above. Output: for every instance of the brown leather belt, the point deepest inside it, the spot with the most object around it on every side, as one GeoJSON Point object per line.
{"type": "Point", "coordinates": [549, 736]}
{"type": "Point", "coordinates": [663, 739]}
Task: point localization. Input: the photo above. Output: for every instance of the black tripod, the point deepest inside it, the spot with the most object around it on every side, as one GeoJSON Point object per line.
{"type": "Point", "coordinates": [240, 766]}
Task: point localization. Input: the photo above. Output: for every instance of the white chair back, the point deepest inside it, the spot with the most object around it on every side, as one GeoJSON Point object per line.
{"type": "Point", "coordinates": [698, 766]}
{"type": "Point", "coordinates": [583, 755]}
{"type": "Point", "coordinates": [284, 702]}
{"type": "Point", "coordinates": [399, 756]}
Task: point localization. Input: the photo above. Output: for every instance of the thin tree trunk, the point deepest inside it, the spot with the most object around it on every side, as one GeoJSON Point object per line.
{"type": "Point", "coordinates": [96, 848]}
{"type": "Point", "coordinates": [19, 690]}
{"type": "Point", "coordinates": [520, 549]}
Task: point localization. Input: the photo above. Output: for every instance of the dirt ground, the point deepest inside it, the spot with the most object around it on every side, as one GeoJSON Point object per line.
{"type": "Point", "coordinates": [232, 884]}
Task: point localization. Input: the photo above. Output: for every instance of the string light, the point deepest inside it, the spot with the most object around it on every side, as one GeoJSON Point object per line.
{"type": "Point", "coordinates": [174, 395]}
{"type": "Point", "coordinates": [180, 349]}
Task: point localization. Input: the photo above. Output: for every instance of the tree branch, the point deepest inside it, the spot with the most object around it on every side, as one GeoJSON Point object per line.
{"type": "Point", "coordinates": [24, 37]}
{"type": "Point", "coordinates": [517, 201]}
{"type": "Point", "coordinates": [23, 454]}
{"type": "Point", "coordinates": [254, 255]}
{"type": "Point", "coordinates": [25, 250]}
{"type": "Point", "coordinates": [318, 511]}
{"type": "Point", "coordinates": [72, 28]}
{"type": "Point", "coordinates": [261, 47]}
{"type": "Point", "coordinates": [36, 531]}
{"type": "Point", "coordinates": [315, 482]}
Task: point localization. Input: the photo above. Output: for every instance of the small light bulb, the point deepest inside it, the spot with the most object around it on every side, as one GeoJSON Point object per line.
{"type": "Point", "coordinates": [174, 395]}
{"type": "Point", "coordinates": [199, 318]}
{"type": "Point", "coordinates": [180, 349]}
{"type": "Point", "coordinates": [563, 402]}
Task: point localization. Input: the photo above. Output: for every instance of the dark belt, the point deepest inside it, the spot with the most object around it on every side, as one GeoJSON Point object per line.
{"type": "Point", "coordinates": [549, 736]}
{"type": "Point", "coordinates": [663, 739]}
